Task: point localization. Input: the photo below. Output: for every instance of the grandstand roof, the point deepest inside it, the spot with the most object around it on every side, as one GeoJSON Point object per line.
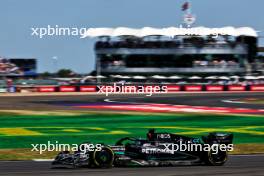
{"type": "Point", "coordinates": [169, 32]}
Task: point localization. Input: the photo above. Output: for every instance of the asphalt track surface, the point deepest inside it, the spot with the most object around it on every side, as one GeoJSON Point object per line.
{"type": "Point", "coordinates": [67, 102]}
{"type": "Point", "coordinates": [237, 165]}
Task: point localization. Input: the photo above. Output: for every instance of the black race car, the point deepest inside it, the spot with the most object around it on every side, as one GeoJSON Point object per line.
{"type": "Point", "coordinates": [158, 149]}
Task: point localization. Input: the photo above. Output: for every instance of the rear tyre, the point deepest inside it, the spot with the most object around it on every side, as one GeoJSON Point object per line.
{"type": "Point", "coordinates": [103, 158]}
{"type": "Point", "coordinates": [217, 159]}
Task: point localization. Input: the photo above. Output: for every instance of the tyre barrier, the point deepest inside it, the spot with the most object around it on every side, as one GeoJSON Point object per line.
{"type": "Point", "coordinates": [148, 88]}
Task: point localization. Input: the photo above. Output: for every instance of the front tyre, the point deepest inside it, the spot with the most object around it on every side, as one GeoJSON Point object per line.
{"type": "Point", "coordinates": [217, 159]}
{"type": "Point", "coordinates": [103, 158]}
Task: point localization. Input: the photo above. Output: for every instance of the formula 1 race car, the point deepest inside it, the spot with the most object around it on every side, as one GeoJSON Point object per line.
{"type": "Point", "coordinates": [158, 149]}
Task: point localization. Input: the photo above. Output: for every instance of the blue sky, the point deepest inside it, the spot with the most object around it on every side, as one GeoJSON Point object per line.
{"type": "Point", "coordinates": [17, 17]}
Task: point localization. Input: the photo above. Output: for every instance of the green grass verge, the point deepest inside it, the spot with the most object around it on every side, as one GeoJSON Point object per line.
{"type": "Point", "coordinates": [20, 131]}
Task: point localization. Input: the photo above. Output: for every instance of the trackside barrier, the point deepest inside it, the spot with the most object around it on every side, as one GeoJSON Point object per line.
{"type": "Point", "coordinates": [88, 89]}
{"type": "Point", "coordinates": [3, 90]}
{"type": "Point", "coordinates": [26, 89]}
{"type": "Point", "coordinates": [214, 88]}
{"type": "Point", "coordinates": [152, 88]}
{"type": "Point", "coordinates": [147, 89]}
{"type": "Point", "coordinates": [236, 88]}
{"type": "Point", "coordinates": [193, 88]}
{"type": "Point", "coordinates": [47, 89]}
{"type": "Point", "coordinates": [109, 88]}
{"type": "Point", "coordinates": [257, 88]}
{"type": "Point", "coordinates": [173, 88]}
{"type": "Point", "coordinates": [67, 89]}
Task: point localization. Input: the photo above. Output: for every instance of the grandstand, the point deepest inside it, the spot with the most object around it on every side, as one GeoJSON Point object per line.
{"type": "Point", "coordinates": [169, 51]}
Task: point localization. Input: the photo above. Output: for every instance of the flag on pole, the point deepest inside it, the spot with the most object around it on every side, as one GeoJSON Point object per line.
{"type": "Point", "coordinates": [185, 6]}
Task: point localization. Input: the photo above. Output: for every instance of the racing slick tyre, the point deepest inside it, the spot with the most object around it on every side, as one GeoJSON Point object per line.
{"type": "Point", "coordinates": [103, 158]}
{"type": "Point", "coordinates": [218, 159]}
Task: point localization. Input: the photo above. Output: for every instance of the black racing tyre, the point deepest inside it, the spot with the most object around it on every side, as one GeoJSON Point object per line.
{"type": "Point", "coordinates": [103, 158]}
{"type": "Point", "coordinates": [217, 159]}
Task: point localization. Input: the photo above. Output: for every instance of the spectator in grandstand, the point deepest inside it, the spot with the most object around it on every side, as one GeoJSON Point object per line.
{"type": "Point", "coordinates": [204, 63]}
{"type": "Point", "coordinates": [215, 63]}
{"type": "Point", "coordinates": [232, 63]}
{"type": "Point", "coordinates": [196, 63]}
{"type": "Point", "coordinates": [223, 63]}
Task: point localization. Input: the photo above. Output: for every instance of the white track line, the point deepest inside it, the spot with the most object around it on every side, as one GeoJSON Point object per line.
{"type": "Point", "coordinates": [232, 101]}
{"type": "Point", "coordinates": [42, 160]}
